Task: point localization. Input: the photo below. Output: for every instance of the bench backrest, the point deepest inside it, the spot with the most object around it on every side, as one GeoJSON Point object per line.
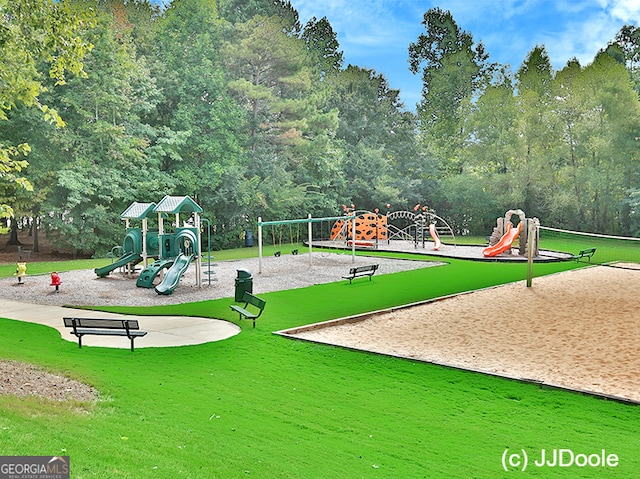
{"type": "Point", "coordinates": [254, 300]}
{"type": "Point", "coordinates": [587, 251]}
{"type": "Point", "coordinates": [101, 323]}
{"type": "Point", "coordinates": [363, 269]}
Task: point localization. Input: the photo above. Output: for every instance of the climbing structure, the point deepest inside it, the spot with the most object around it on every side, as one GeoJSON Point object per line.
{"type": "Point", "coordinates": [371, 227]}
{"type": "Point", "coordinates": [506, 232]}
{"type": "Point", "coordinates": [173, 245]}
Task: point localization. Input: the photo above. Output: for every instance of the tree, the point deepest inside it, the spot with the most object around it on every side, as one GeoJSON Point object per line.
{"type": "Point", "coordinates": [377, 136]}
{"type": "Point", "coordinates": [88, 172]}
{"type": "Point", "coordinates": [453, 70]}
{"type": "Point", "coordinates": [272, 80]}
{"type": "Point", "coordinates": [31, 32]}
{"type": "Point", "coordinates": [322, 46]}
{"type": "Point", "coordinates": [241, 11]}
{"type": "Point", "coordinates": [206, 121]}
{"type": "Point", "coordinates": [627, 41]}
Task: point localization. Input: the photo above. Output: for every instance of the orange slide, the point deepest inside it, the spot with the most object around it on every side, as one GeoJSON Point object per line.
{"type": "Point", "coordinates": [505, 242]}
{"type": "Point", "coordinates": [434, 235]}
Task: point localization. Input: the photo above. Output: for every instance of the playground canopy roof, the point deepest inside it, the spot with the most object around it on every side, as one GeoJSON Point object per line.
{"type": "Point", "coordinates": [177, 204]}
{"type": "Point", "coordinates": [138, 211]}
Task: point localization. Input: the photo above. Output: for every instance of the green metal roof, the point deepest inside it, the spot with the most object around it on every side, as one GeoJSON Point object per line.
{"type": "Point", "coordinates": [177, 204]}
{"type": "Point", "coordinates": [138, 211]}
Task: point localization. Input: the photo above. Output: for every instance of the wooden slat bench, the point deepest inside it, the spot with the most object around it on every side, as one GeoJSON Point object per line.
{"type": "Point", "coordinates": [244, 312]}
{"type": "Point", "coordinates": [585, 253]}
{"type": "Point", "coordinates": [361, 271]}
{"type": "Point", "coordinates": [104, 327]}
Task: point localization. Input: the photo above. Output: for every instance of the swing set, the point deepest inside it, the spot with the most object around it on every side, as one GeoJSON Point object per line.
{"type": "Point", "coordinates": [280, 234]}
{"type": "Point", "coordinates": [309, 221]}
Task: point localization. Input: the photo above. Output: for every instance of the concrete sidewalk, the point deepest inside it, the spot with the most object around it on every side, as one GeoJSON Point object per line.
{"type": "Point", "coordinates": [162, 331]}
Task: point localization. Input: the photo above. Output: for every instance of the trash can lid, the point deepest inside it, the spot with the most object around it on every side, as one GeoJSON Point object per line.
{"type": "Point", "coordinates": [243, 273]}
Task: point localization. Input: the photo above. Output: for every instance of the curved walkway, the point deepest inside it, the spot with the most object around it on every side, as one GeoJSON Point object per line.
{"type": "Point", "coordinates": [162, 331]}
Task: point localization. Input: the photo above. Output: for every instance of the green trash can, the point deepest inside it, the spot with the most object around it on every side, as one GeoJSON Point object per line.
{"type": "Point", "coordinates": [244, 282]}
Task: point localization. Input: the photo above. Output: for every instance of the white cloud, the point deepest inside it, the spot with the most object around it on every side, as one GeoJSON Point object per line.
{"type": "Point", "coordinates": [627, 11]}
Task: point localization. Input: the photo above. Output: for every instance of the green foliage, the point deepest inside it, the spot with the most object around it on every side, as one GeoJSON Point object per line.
{"type": "Point", "coordinates": [453, 69]}
{"type": "Point", "coordinates": [322, 45]}
{"type": "Point", "coordinates": [33, 32]}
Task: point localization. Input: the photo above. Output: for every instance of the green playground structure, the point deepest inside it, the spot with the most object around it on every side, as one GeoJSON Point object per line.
{"type": "Point", "coordinates": [148, 275]}
{"type": "Point", "coordinates": [171, 246]}
{"type": "Point", "coordinates": [173, 274]}
{"type": "Point", "coordinates": [128, 258]}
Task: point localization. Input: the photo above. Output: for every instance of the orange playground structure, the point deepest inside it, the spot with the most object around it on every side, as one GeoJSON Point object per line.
{"type": "Point", "coordinates": [417, 226]}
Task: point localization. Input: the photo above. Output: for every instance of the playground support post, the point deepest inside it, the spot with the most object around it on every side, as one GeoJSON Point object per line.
{"type": "Point", "coordinates": [197, 224]}
{"type": "Point", "coordinates": [310, 236]}
{"type": "Point", "coordinates": [259, 244]}
{"type": "Point", "coordinates": [532, 238]}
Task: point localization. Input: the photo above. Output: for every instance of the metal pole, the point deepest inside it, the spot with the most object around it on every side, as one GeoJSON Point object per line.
{"type": "Point", "coordinates": [144, 242]}
{"type": "Point", "coordinates": [310, 240]}
{"type": "Point", "coordinates": [259, 244]}
{"type": "Point", "coordinates": [196, 220]}
{"type": "Point", "coordinates": [353, 240]}
{"type": "Point", "coordinates": [531, 236]}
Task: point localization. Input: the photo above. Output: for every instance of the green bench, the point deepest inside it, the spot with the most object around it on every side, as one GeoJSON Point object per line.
{"type": "Point", "coordinates": [104, 327]}
{"type": "Point", "coordinates": [361, 271]}
{"type": "Point", "coordinates": [585, 253]}
{"type": "Point", "coordinates": [256, 303]}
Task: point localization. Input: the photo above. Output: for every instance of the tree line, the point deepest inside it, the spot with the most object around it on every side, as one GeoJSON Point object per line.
{"type": "Point", "coordinates": [239, 105]}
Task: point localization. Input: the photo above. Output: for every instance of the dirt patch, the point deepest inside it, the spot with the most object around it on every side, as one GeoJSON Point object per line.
{"type": "Point", "coordinates": [21, 379]}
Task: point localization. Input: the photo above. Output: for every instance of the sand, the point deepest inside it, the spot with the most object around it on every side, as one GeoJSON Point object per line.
{"type": "Point", "coordinates": [578, 330]}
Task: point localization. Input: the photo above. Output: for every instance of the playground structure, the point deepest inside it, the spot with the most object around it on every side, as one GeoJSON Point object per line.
{"type": "Point", "coordinates": [505, 233]}
{"type": "Point", "coordinates": [373, 227]}
{"type": "Point", "coordinates": [173, 247]}
{"type": "Point", "coordinates": [309, 221]}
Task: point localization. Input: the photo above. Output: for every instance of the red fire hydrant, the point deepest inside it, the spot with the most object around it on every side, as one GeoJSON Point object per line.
{"type": "Point", "coordinates": [56, 281]}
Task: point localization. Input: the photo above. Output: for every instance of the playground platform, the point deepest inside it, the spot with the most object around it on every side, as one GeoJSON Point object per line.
{"type": "Point", "coordinates": [469, 252]}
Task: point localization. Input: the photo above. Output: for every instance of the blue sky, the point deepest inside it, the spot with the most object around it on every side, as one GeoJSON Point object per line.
{"type": "Point", "coordinates": [375, 34]}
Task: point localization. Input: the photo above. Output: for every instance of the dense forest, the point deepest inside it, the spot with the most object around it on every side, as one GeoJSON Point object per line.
{"type": "Point", "coordinates": [239, 105]}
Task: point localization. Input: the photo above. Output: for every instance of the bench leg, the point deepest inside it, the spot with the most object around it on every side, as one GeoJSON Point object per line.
{"type": "Point", "coordinates": [132, 338]}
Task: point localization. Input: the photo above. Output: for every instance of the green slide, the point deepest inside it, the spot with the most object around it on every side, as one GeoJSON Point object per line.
{"type": "Point", "coordinates": [123, 260]}
{"type": "Point", "coordinates": [145, 280]}
{"type": "Point", "coordinates": [173, 275]}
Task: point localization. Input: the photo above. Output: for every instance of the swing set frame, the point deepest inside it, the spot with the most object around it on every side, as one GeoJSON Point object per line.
{"type": "Point", "coordinates": [309, 221]}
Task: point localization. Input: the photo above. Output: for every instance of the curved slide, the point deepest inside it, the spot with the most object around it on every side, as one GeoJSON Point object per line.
{"type": "Point", "coordinates": [434, 235]}
{"type": "Point", "coordinates": [173, 274]}
{"type": "Point", "coordinates": [505, 242]}
{"type": "Point", "coordinates": [125, 259]}
{"type": "Point", "coordinates": [146, 277]}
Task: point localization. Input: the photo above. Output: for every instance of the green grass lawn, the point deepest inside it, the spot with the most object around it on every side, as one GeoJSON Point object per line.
{"type": "Point", "coordinates": [259, 405]}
